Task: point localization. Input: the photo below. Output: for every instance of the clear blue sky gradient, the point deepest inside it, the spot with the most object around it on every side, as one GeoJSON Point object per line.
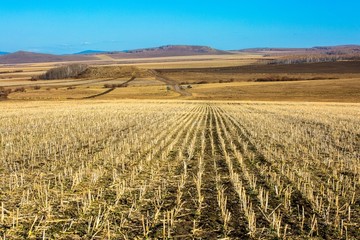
{"type": "Point", "coordinates": [65, 26]}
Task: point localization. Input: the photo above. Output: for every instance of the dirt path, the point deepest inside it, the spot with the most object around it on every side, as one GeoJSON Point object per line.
{"type": "Point", "coordinates": [108, 90]}
{"type": "Point", "coordinates": [111, 89]}
{"type": "Point", "coordinates": [171, 83]}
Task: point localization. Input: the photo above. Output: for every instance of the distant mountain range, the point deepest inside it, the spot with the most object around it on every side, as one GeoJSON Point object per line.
{"type": "Point", "coordinates": [88, 55]}
{"type": "Point", "coordinates": [175, 50]}
{"type": "Point", "coordinates": [30, 57]}
{"type": "Point", "coordinates": [90, 52]}
{"type": "Point", "coordinates": [165, 51]}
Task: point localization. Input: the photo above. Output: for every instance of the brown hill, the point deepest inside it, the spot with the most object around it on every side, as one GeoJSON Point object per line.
{"type": "Point", "coordinates": [30, 57]}
{"type": "Point", "coordinates": [168, 51]}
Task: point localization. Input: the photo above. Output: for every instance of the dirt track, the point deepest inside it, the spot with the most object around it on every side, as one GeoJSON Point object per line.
{"type": "Point", "coordinates": [171, 83]}
{"type": "Point", "coordinates": [111, 89]}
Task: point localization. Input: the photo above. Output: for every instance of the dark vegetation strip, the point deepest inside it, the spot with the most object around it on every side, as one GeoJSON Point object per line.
{"type": "Point", "coordinates": [328, 67]}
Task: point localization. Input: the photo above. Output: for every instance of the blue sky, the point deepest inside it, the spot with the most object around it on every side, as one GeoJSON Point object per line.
{"type": "Point", "coordinates": [71, 26]}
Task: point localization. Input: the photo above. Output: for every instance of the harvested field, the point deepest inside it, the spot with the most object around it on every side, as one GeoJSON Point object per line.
{"type": "Point", "coordinates": [131, 170]}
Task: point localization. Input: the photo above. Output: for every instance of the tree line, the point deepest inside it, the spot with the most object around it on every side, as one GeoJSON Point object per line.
{"type": "Point", "coordinates": [68, 71]}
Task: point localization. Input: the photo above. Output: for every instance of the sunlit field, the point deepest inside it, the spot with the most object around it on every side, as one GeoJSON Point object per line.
{"type": "Point", "coordinates": [179, 169]}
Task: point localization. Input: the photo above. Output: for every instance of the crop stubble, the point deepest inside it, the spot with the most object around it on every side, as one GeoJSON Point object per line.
{"type": "Point", "coordinates": [125, 170]}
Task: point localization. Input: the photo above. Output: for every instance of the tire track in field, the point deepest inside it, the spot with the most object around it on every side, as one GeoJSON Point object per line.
{"type": "Point", "coordinates": [216, 163]}
{"type": "Point", "coordinates": [247, 200]}
{"type": "Point", "coordinates": [210, 213]}
{"type": "Point", "coordinates": [187, 220]}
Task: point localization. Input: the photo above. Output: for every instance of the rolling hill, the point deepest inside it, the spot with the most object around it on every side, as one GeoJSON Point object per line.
{"type": "Point", "coordinates": [168, 51]}
{"type": "Point", "coordinates": [348, 51]}
{"type": "Point", "coordinates": [88, 55]}
{"type": "Point", "coordinates": [30, 57]}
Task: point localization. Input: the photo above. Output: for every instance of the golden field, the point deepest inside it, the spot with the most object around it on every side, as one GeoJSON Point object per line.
{"type": "Point", "coordinates": [110, 169]}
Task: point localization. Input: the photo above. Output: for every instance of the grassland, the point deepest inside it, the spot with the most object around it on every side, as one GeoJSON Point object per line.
{"type": "Point", "coordinates": [108, 169]}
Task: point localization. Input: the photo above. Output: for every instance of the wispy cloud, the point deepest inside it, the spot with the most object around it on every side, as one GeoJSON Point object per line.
{"type": "Point", "coordinates": [85, 43]}
{"type": "Point", "coordinates": [69, 48]}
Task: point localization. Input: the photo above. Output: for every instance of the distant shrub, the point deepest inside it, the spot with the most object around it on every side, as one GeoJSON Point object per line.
{"type": "Point", "coordinates": [202, 82]}
{"type": "Point", "coordinates": [321, 78]}
{"type": "Point", "coordinates": [120, 85]}
{"type": "Point", "coordinates": [275, 79]}
{"type": "Point", "coordinates": [20, 89]}
{"type": "Point", "coordinates": [71, 88]}
{"type": "Point", "coordinates": [4, 93]}
{"type": "Point", "coordinates": [69, 71]}
{"type": "Point", "coordinates": [37, 87]}
{"type": "Point", "coordinates": [226, 81]}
